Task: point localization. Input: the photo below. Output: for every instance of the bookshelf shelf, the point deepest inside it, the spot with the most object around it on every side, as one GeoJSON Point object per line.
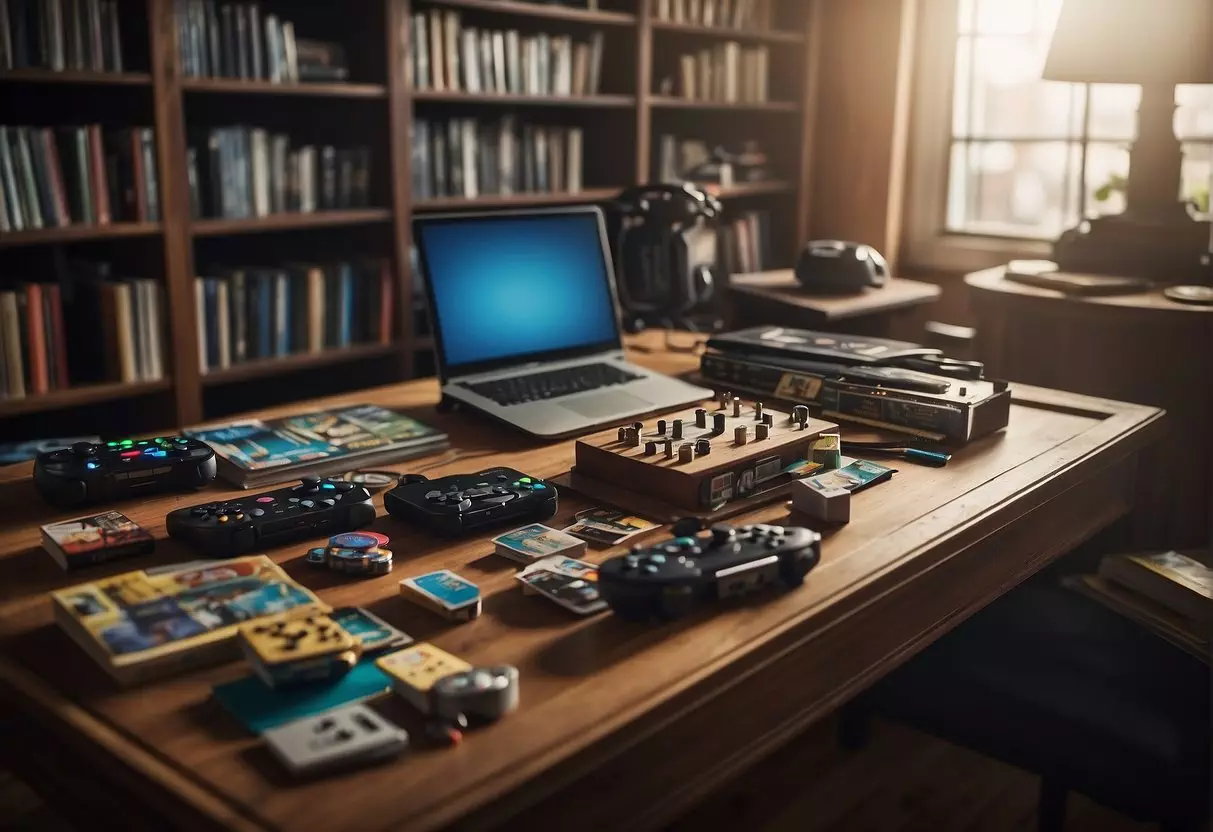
{"type": "Point", "coordinates": [246, 87]}
{"type": "Point", "coordinates": [74, 233]}
{"type": "Point", "coordinates": [272, 366]}
{"type": "Point", "coordinates": [730, 33]}
{"type": "Point", "coordinates": [746, 189]}
{"type": "Point", "coordinates": [289, 222]}
{"type": "Point", "coordinates": [511, 99]}
{"type": "Point", "coordinates": [514, 8]}
{"type": "Point", "coordinates": [72, 76]}
{"type": "Point", "coordinates": [673, 103]}
{"type": "Point", "coordinates": [517, 200]}
{"type": "Point", "coordinates": [83, 395]}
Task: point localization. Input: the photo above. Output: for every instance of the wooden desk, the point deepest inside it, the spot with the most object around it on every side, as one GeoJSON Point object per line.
{"type": "Point", "coordinates": [1141, 347]}
{"type": "Point", "coordinates": [896, 310]}
{"type": "Point", "coordinates": [621, 725]}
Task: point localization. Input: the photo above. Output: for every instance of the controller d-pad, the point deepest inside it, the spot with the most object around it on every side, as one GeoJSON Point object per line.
{"type": "Point", "coordinates": [434, 495]}
{"type": "Point", "coordinates": [464, 504]}
{"type": "Point", "coordinates": [478, 492]}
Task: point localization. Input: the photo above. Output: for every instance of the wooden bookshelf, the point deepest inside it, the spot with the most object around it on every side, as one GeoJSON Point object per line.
{"type": "Point", "coordinates": [246, 87]}
{"type": "Point", "coordinates": [78, 233]}
{"type": "Point", "coordinates": [621, 129]}
{"type": "Point", "coordinates": [261, 368]}
{"type": "Point", "coordinates": [289, 222]}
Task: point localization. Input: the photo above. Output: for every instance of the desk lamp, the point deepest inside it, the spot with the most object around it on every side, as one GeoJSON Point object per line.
{"type": "Point", "coordinates": [1156, 44]}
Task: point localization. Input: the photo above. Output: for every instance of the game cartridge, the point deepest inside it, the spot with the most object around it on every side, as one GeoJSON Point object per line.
{"type": "Point", "coordinates": [415, 669]}
{"type": "Point", "coordinates": [445, 593]}
{"type": "Point", "coordinates": [292, 647]}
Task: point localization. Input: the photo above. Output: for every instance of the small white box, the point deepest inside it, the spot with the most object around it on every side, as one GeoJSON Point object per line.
{"type": "Point", "coordinates": [821, 501]}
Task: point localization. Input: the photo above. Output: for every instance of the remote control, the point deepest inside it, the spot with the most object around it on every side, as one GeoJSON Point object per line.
{"type": "Point", "coordinates": [313, 508]}
{"type": "Point", "coordinates": [669, 579]}
{"type": "Point", "coordinates": [463, 503]}
{"type": "Point", "coordinates": [94, 472]}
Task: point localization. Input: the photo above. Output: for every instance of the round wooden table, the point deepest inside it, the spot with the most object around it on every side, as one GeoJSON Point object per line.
{"type": "Point", "coordinates": [1141, 348]}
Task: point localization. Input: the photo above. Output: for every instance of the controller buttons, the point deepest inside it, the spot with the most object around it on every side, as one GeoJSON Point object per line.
{"type": "Point", "coordinates": [256, 512]}
{"type": "Point", "coordinates": [524, 479]}
{"type": "Point", "coordinates": [343, 486]}
{"type": "Point", "coordinates": [129, 454]}
{"type": "Point", "coordinates": [265, 499]}
{"type": "Point", "coordinates": [502, 478]}
{"type": "Point", "coordinates": [772, 544]}
{"type": "Point", "coordinates": [111, 444]}
{"type": "Point", "coordinates": [199, 511]}
{"type": "Point", "coordinates": [92, 466]}
{"type": "Point", "coordinates": [292, 499]}
{"type": "Point", "coordinates": [307, 504]}
{"type": "Point", "coordinates": [540, 486]}
{"type": "Point", "coordinates": [222, 518]}
{"type": "Point", "coordinates": [650, 569]}
{"type": "Point", "coordinates": [482, 485]}
{"type": "Point", "coordinates": [239, 515]}
{"type": "Point", "coordinates": [310, 480]}
{"type": "Point", "coordinates": [722, 533]}
{"type": "Point", "coordinates": [464, 504]}
{"type": "Point", "coordinates": [657, 559]}
{"type": "Point", "coordinates": [329, 503]}
{"type": "Point", "coordinates": [631, 562]}
{"type": "Point", "coordinates": [688, 563]}
{"type": "Point", "coordinates": [433, 495]}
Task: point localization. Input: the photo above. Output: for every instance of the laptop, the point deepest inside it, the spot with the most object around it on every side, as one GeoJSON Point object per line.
{"type": "Point", "coordinates": [526, 326]}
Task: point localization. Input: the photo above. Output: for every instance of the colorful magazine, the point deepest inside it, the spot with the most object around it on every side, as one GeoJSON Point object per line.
{"type": "Point", "coordinates": [143, 624]}
{"type": "Point", "coordinates": [258, 452]}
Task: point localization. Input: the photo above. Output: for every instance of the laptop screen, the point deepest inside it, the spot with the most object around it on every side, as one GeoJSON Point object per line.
{"type": "Point", "coordinates": [517, 286]}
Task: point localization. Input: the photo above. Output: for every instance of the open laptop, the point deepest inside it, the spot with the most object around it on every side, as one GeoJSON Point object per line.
{"type": "Point", "coordinates": [526, 327]}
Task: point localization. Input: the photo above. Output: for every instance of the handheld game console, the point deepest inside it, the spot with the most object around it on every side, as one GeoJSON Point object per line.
{"type": "Point", "coordinates": [89, 472]}
{"type": "Point", "coordinates": [463, 503]}
{"type": "Point", "coordinates": [669, 579]}
{"type": "Point", "coordinates": [313, 508]}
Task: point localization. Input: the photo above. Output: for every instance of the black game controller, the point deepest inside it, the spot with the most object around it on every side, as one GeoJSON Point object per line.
{"type": "Point", "coordinates": [89, 472]}
{"type": "Point", "coordinates": [463, 503]}
{"type": "Point", "coordinates": [668, 579]}
{"type": "Point", "coordinates": [313, 508]}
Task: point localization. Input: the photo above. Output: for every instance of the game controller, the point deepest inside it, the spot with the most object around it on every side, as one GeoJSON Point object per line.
{"type": "Point", "coordinates": [463, 503]}
{"type": "Point", "coordinates": [669, 579]}
{"type": "Point", "coordinates": [314, 508]}
{"type": "Point", "coordinates": [94, 472]}
{"type": "Point", "coordinates": [482, 693]}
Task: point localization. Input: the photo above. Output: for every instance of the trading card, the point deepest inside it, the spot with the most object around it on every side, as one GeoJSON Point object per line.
{"type": "Point", "coordinates": [445, 593]}
{"type": "Point", "coordinates": [530, 543]}
{"type": "Point", "coordinates": [375, 634]}
{"type": "Point", "coordinates": [803, 468]}
{"type": "Point", "coordinates": [607, 526]}
{"type": "Point", "coordinates": [854, 476]}
{"type": "Point", "coordinates": [566, 566]}
{"type": "Point", "coordinates": [577, 595]}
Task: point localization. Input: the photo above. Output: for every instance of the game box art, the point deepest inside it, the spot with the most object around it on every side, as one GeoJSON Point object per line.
{"type": "Point", "coordinates": [145, 624]}
{"type": "Point", "coordinates": [95, 539]}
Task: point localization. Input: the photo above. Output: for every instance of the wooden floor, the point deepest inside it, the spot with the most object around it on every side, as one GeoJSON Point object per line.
{"type": "Point", "coordinates": [902, 782]}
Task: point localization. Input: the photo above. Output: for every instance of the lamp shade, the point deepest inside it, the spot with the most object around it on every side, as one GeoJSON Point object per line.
{"type": "Point", "coordinates": [1163, 42]}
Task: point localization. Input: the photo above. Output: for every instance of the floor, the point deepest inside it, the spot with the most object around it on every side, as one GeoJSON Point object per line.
{"type": "Point", "coordinates": [902, 782]}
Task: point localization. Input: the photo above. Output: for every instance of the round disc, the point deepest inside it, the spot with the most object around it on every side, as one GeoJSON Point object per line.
{"type": "Point", "coordinates": [382, 539]}
{"type": "Point", "coordinates": [317, 557]}
{"type": "Point", "coordinates": [373, 480]}
{"type": "Point", "coordinates": [1202, 295]}
{"type": "Point", "coordinates": [353, 540]}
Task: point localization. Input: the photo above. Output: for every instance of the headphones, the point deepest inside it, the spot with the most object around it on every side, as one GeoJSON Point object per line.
{"type": "Point", "coordinates": [658, 282]}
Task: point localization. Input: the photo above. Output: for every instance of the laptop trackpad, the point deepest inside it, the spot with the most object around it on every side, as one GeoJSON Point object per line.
{"type": "Point", "coordinates": [601, 405]}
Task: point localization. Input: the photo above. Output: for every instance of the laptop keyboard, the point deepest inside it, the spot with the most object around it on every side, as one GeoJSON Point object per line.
{"type": "Point", "coordinates": [550, 384]}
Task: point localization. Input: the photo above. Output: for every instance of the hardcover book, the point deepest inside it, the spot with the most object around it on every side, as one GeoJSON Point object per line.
{"type": "Point", "coordinates": [96, 539]}
{"type": "Point", "coordinates": [148, 623]}
{"type": "Point", "coordinates": [259, 452]}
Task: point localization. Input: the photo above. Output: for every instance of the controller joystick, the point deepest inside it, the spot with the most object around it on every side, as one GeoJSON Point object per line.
{"type": "Point", "coordinates": [669, 579]}
{"type": "Point", "coordinates": [463, 503]}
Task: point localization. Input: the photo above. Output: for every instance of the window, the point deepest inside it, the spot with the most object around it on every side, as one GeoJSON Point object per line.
{"type": "Point", "coordinates": [1003, 162]}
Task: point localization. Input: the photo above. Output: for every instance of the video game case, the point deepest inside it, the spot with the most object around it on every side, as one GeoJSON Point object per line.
{"type": "Point", "coordinates": [98, 538]}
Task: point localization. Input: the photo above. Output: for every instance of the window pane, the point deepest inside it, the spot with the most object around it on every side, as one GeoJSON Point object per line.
{"type": "Point", "coordinates": [1020, 189]}
{"type": "Point", "coordinates": [999, 17]}
{"type": "Point", "coordinates": [1107, 168]}
{"type": "Point", "coordinates": [1114, 111]}
{"type": "Point", "coordinates": [999, 92]}
{"type": "Point", "coordinates": [1194, 118]}
{"type": "Point", "coordinates": [1198, 174]}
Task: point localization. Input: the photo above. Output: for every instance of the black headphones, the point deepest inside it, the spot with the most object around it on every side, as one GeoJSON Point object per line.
{"type": "Point", "coordinates": [657, 282]}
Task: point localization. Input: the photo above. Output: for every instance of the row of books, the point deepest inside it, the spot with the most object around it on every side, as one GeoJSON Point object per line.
{"type": "Point", "coordinates": [746, 243]}
{"type": "Point", "coordinates": [33, 346]}
{"type": "Point", "coordinates": [55, 177]}
{"type": "Point", "coordinates": [467, 158]}
{"type": "Point", "coordinates": [240, 172]}
{"type": "Point", "coordinates": [60, 35]}
{"type": "Point", "coordinates": [250, 314]}
{"type": "Point", "coordinates": [448, 56]}
{"type": "Point", "coordinates": [727, 72]}
{"type": "Point", "coordinates": [735, 14]}
{"type": "Point", "coordinates": [235, 40]}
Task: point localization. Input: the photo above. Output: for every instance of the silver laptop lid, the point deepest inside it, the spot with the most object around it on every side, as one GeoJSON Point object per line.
{"type": "Point", "coordinates": [512, 288]}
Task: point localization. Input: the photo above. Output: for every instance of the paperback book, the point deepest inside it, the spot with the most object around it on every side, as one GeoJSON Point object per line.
{"type": "Point", "coordinates": [260, 452]}
{"type": "Point", "coordinates": [146, 624]}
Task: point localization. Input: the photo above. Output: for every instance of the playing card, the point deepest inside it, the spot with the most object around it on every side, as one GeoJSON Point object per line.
{"type": "Point", "coordinates": [566, 566]}
{"type": "Point", "coordinates": [375, 634]}
{"type": "Point", "coordinates": [608, 527]}
{"type": "Point", "coordinates": [576, 594]}
{"type": "Point", "coordinates": [536, 541]}
{"type": "Point", "coordinates": [340, 738]}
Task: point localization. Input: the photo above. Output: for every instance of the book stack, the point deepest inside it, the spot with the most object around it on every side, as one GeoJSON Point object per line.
{"type": "Point", "coordinates": [468, 158]}
{"type": "Point", "coordinates": [727, 73]}
{"type": "Point", "coordinates": [725, 14]}
{"type": "Point", "coordinates": [238, 40]}
{"type": "Point", "coordinates": [241, 172]}
{"type": "Point", "coordinates": [250, 314]}
{"type": "Point", "coordinates": [81, 35]}
{"type": "Point", "coordinates": [1169, 593]}
{"type": "Point", "coordinates": [747, 243]}
{"type": "Point", "coordinates": [33, 342]}
{"type": "Point", "coordinates": [51, 178]}
{"type": "Point", "coordinates": [449, 56]}
{"type": "Point", "coordinates": [255, 452]}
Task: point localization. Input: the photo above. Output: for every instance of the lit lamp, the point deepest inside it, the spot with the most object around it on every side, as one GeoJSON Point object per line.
{"type": "Point", "coordinates": [1157, 44]}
